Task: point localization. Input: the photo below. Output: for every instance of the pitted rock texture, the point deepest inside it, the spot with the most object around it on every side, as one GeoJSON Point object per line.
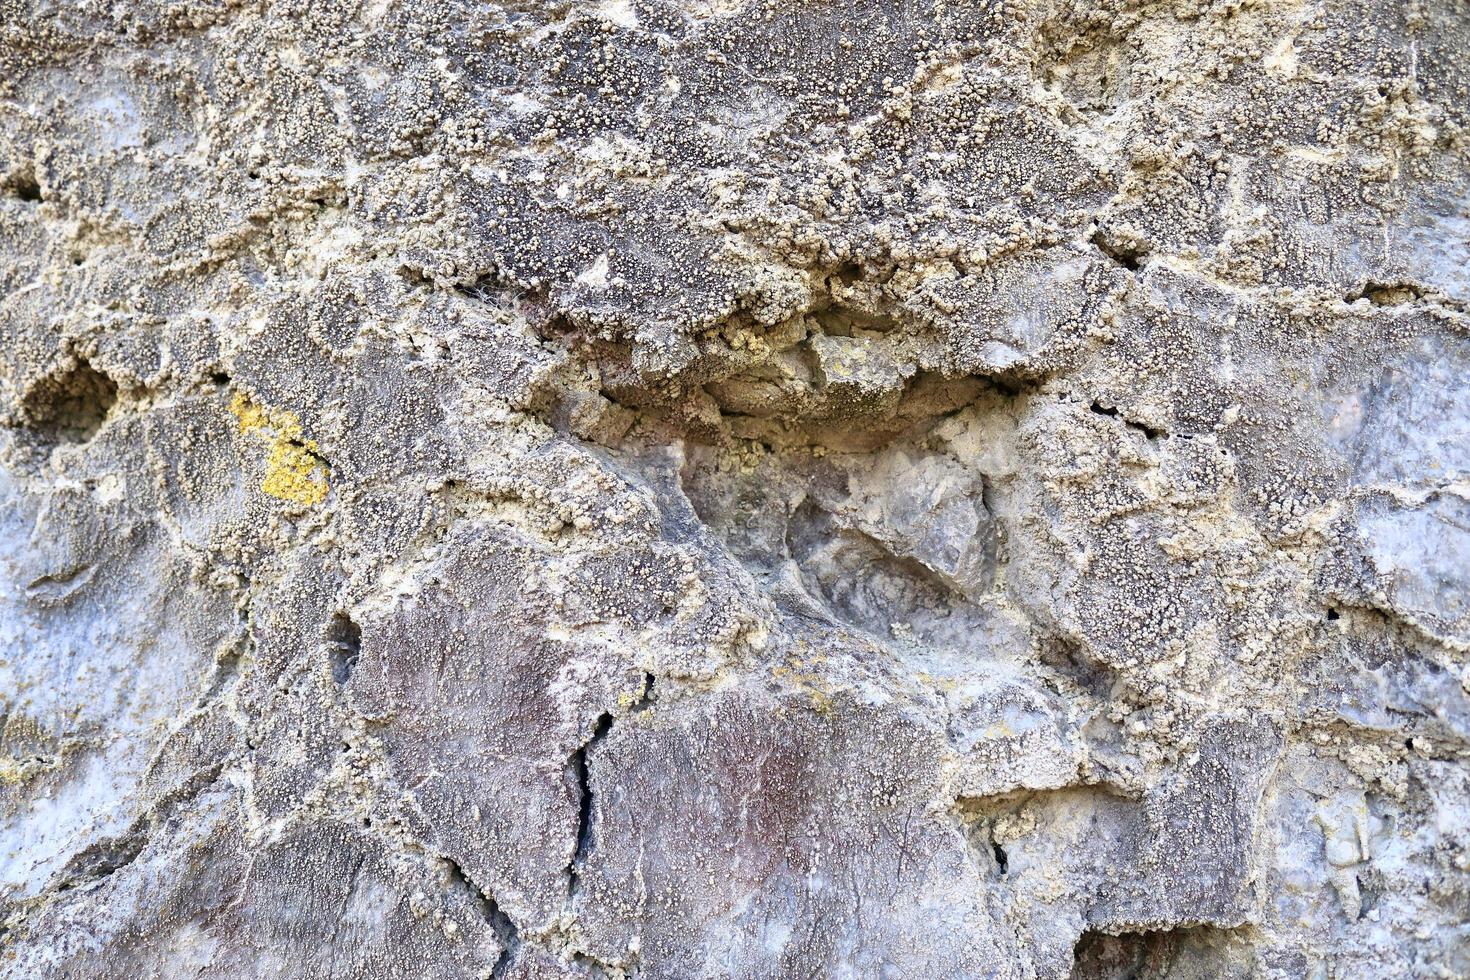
{"type": "Point", "coordinates": [717, 488]}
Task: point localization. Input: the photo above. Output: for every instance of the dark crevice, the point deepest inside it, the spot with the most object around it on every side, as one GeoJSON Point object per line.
{"type": "Point", "coordinates": [581, 778]}
{"type": "Point", "coordinates": [415, 276]}
{"type": "Point", "coordinates": [1187, 951]}
{"type": "Point", "coordinates": [1069, 659]}
{"type": "Point", "coordinates": [1126, 256]}
{"type": "Point", "coordinates": [103, 859]}
{"type": "Point", "coordinates": [584, 788]}
{"type": "Point", "coordinates": [1150, 432]}
{"type": "Point", "coordinates": [1012, 385]}
{"type": "Point", "coordinates": [579, 775]}
{"type": "Point", "coordinates": [533, 305]}
{"type": "Point", "coordinates": [989, 500]}
{"type": "Point", "coordinates": [344, 646]}
{"type": "Point", "coordinates": [1386, 294]}
{"type": "Point", "coordinates": [1333, 615]}
{"type": "Point", "coordinates": [315, 457]}
{"type": "Point", "coordinates": [111, 855]}
{"type": "Point", "coordinates": [484, 289]}
{"type": "Point", "coordinates": [25, 187]}
{"type": "Point", "coordinates": [986, 823]}
{"type": "Point", "coordinates": [506, 932]}
{"type": "Point", "coordinates": [1370, 892]}
{"type": "Point", "coordinates": [594, 965]}
{"type": "Point", "coordinates": [491, 288]}
{"type": "Point", "coordinates": [69, 407]}
{"type": "Point", "coordinates": [645, 699]}
{"type": "Point", "coordinates": [706, 404]}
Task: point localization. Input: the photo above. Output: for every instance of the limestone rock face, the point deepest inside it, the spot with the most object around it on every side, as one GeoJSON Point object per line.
{"type": "Point", "coordinates": [732, 489]}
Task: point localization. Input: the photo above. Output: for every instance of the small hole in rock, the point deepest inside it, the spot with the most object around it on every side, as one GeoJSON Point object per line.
{"type": "Point", "coordinates": [70, 407]}
{"type": "Point", "coordinates": [414, 276]}
{"type": "Point", "coordinates": [25, 187]}
{"type": "Point", "coordinates": [1385, 294]}
{"type": "Point", "coordinates": [1130, 257]}
{"type": "Point", "coordinates": [1333, 614]}
{"type": "Point", "coordinates": [344, 645]}
{"type": "Point", "coordinates": [1197, 951]}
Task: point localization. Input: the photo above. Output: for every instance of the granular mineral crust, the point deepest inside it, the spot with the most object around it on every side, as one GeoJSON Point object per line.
{"type": "Point", "coordinates": [733, 489]}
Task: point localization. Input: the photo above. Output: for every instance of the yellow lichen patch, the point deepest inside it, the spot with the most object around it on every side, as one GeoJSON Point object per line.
{"type": "Point", "coordinates": [13, 771]}
{"type": "Point", "coordinates": [805, 677]}
{"type": "Point", "coordinates": [293, 469]}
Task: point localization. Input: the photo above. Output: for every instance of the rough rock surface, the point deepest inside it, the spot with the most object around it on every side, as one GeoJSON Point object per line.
{"type": "Point", "coordinates": [720, 488]}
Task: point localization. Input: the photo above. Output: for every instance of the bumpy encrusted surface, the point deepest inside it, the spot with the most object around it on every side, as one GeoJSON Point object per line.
{"type": "Point", "coordinates": [715, 488]}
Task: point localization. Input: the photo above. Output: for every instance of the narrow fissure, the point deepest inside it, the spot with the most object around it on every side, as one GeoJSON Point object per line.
{"type": "Point", "coordinates": [579, 774]}
{"type": "Point", "coordinates": [1149, 432]}
{"type": "Point", "coordinates": [645, 699]}
{"type": "Point", "coordinates": [506, 932]}
{"type": "Point", "coordinates": [583, 780]}
{"type": "Point", "coordinates": [105, 859]}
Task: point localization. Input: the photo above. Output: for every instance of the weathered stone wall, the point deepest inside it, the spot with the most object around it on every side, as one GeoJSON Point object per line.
{"type": "Point", "coordinates": [716, 488]}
